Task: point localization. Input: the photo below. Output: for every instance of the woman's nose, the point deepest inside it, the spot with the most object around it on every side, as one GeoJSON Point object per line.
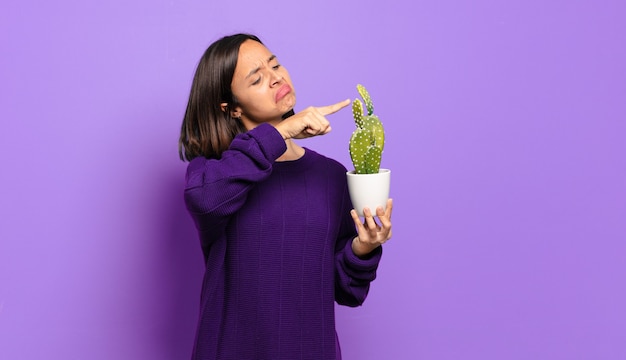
{"type": "Point", "coordinates": [276, 78]}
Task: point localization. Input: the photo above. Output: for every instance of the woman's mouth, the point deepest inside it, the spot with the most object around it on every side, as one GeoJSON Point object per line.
{"type": "Point", "coordinates": [282, 92]}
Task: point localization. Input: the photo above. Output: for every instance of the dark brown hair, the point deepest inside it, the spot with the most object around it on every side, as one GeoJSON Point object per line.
{"type": "Point", "coordinates": [207, 130]}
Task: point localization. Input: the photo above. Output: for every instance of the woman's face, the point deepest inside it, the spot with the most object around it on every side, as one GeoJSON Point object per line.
{"type": "Point", "coordinates": [261, 86]}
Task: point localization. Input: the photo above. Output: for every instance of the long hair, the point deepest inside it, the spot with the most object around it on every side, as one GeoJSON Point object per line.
{"type": "Point", "coordinates": [207, 130]}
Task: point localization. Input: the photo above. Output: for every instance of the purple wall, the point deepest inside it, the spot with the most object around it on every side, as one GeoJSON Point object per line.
{"type": "Point", "coordinates": [506, 125]}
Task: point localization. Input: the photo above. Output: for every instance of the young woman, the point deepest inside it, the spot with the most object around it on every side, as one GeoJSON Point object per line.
{"type": "Point", "coordinates": [279, 236]}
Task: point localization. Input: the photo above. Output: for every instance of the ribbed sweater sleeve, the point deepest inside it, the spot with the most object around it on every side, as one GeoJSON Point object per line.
{"type": "Point", "coordinates": [216, 188]}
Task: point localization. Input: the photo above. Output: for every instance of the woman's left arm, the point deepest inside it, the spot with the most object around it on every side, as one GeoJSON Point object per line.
{"type": "Point", "coordinates": [358, 254]}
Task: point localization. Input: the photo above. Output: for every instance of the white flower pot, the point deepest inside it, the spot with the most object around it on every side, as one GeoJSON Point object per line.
{"type": "Point", "coordinates": [369, 190]}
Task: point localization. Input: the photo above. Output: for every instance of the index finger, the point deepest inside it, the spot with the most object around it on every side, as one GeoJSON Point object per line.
{"type": "Point", "coordinates": [331, 109]}
{"type": "Point", "coordinates": [356, 219]}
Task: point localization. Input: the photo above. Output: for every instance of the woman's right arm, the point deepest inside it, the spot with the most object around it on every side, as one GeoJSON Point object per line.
{"type": "Point", "coordinates": [219, 187]}
{"type": "Point", "coordinates": [216, 188]}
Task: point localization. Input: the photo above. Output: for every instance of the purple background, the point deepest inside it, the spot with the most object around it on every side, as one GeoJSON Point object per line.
{"type": "Point", "coordinates": [505, 124]}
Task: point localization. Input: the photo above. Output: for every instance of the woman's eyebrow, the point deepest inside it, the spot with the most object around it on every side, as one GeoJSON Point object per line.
{"type": "Point", "coordinates": [255, 70]}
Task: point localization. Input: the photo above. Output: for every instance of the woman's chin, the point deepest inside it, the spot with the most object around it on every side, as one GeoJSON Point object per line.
{"type": "Point", "coordinates": [288, 102]}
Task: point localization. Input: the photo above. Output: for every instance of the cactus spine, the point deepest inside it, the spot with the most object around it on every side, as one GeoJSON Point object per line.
{"type": "Point", "coordinates": [368, 140]}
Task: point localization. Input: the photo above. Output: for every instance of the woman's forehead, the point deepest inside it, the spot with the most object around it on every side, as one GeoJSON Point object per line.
{"type": "Point", "coordinates": [252, 57]}
{"type": "Point", "coordinates": [253, 51]}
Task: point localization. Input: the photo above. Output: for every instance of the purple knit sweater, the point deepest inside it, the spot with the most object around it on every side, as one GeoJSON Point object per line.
{"type": "Point", "coordinates": [276, 238]}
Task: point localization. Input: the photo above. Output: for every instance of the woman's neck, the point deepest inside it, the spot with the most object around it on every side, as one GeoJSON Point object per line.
{"type": "Point", "coordinates": [294, 151]}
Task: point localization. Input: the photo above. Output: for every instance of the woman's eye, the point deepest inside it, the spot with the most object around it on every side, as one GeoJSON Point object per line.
{"type": "Point", "coordinates": [275, 67]}
{"type": "Point", "coordinates": [256, 81]}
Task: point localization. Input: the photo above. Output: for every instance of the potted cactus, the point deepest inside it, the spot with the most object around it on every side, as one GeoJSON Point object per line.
{"type": "Point", "coordinates": [368, 184]}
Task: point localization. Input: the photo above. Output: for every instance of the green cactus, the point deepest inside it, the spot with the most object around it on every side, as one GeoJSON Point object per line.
{"type": "Point", "coordinates": [368, 140]}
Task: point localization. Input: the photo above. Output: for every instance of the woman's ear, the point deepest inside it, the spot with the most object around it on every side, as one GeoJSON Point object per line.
{"type": "Point", "coordinates": [236, 113]}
